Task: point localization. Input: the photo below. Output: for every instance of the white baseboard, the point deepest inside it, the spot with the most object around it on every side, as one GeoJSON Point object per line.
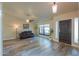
{"type": "Point", "coordinates": [44, 36]}
{"type": "Point", "coordinates": [55, 40]}
{"type": "Point", "coordinates": [11, 38]}
{"type": "Point", "coordinates": [76, 46]}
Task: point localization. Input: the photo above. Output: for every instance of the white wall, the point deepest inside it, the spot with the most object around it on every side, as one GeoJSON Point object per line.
{"type": "Point", "coordinates": [9, 31]}
{"type": "Point", "coordinates": [64, 16]}
{"type": "Point", "coordinates": [1, 29]}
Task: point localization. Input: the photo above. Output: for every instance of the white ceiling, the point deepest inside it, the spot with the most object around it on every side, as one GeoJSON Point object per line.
{"type": "Point", "coordinates": [37, 10]}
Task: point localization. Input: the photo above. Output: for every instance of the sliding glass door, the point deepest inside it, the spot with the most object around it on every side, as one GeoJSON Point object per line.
{"type": "Point", "coordinates": [45, 29]}
{"type": "Point", "coordinates": [41, 29]}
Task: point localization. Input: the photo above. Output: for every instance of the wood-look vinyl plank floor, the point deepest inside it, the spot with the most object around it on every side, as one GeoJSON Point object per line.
{"type": "Point", "coordinates": [37, 46]}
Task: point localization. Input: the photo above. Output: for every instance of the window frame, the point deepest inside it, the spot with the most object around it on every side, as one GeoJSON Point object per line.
{"type": "Point", "coordinates": [76, 29]}
{"type": "Point", "coordinates": [44, 25]}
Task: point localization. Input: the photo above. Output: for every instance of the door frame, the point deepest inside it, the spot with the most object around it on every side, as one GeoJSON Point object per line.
{"type": "Point", "coordinates": [57, 30]}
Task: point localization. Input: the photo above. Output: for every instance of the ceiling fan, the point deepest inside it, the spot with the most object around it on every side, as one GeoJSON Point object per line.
{"type": "Point", "coordinates": [30, 17]}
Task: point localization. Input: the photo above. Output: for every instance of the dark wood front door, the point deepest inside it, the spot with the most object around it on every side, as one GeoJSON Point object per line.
{"type": "Point", "coordinates": [65, 31]}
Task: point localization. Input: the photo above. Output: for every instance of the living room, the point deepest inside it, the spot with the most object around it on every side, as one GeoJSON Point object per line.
{"type": "Point", "coordinates": [48, 27]}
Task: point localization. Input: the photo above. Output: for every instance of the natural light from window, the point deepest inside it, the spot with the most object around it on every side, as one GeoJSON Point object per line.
{"type": "Point", "coordinates": [76, 21]}
{"type": "Point", "coordinates": [45, 29]}
{"type": "Point", "coordinates": [57, 30]}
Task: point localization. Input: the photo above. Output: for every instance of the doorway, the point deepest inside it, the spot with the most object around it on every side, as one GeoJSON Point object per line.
{"type": "Point", "coordinates": [65, 31]}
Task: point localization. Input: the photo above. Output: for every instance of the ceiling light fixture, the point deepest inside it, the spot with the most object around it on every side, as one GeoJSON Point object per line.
{"type": "Point", "coordinates": [27, 21]}
{"type": "Point", "coordinates": [54, 7]}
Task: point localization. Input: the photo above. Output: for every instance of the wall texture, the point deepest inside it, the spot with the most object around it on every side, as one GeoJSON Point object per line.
{"type": "Point", "coordinates": [9, 21]}
{"type": "Point", "coordinates": [64, 16]}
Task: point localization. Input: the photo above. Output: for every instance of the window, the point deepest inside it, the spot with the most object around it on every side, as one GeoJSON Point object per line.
{"type": "Point", "coordinates": [57, 30]}
{"type": "Point", "coordinates": [76, 28]}
{"type": "Point", "coordinates": [45, 29]}
{"type": "Point", "coordinates": [41, 29]}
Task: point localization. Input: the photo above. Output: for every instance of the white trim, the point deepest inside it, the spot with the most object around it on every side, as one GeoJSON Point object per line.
{"type": "Point", "coordinates": [11, 38]}
{"type": "Point", "coordinates": [57, 30]}
{"type": "Point", "coordinates": [72, 32]}
{"type": "Point", "coordinates": [55, 40]}
{"type": "Point", "coordinates": [74, 44]}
